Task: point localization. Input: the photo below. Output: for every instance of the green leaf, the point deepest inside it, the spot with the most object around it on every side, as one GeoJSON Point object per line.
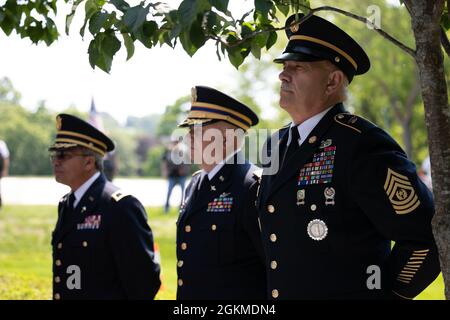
{"type": "Point", "coordinates": [235, 57]}
{"type": "Point", "coordinates": [147, 33]}
{"type": "Point", "coordinates": [263, 7]}
{"type": "Point", "coordinates": [135, 17]}
{"type": "Point", "coordinates": [7, 25]}
{"type": "Point", "coordinates": [221, 5]}
{"type": "Point", "coordinates": [445, 20]}
{"type": "Point", "coordinates": [96, 22]}
{"type": "Point", "coordinates": [271, 40]}
{"type": "Point", "coordinates": [196, 35]}
{"type": "Point", "coordinates": [70, 16]}
{"type": "Point", "coordinates": [102, 50]}
{"type": "Point", "coordinates": [256, 50]}
{"type": "Point", "coordinates": [284, 9]}
{"type": "Point", "coordinates": [90, 8]}
{"type": "Point", "coordinates": [261, 39]}
{"type": "Point", "coordinates": [246, 29]}
{"type": "Point", "coordinates": [189, 9]}
{"type": "Point", "coordinates": [129, 45]}
{"type": "Point", "coordinates": [93, 51]}
{"type": "Point", "coordinates": [51, 32]}
{"type": "Point", "coordinates": [120, 4]}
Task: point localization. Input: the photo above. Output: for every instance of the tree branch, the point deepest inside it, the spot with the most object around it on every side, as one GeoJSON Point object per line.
{"type": "Point", "coordinates": [383, 33]}
{"type": "Point", "coordinates": [445, 42]}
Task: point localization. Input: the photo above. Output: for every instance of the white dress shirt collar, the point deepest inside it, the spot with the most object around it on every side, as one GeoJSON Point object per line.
{"type": "Point", "coordinates": [79, 193]}
{"type": "Point", "coordinates": [305, 128]}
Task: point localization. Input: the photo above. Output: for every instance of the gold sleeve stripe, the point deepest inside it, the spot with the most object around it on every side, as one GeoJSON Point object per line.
{"type": "Point", "coordinates": [410, 268]}
{"type": "Point", "coordinates": [416, 259]}
{"type": "Point", "coordinates": [401, 295]}
{"type": "Point", "coordinates": [408, 272]}
{"type": "Point", "coordinates": [411, 263]}
{"type": "Point", "coordinates": [420, 254]}
{"type": "Point", "coordinates": [404, 281]}
{"type": "Point", "coordinates": [421, 251]}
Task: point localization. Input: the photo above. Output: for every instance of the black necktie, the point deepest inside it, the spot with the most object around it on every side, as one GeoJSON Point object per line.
{"type": "Point", "coordinates": [71, 201]}
{"type": "Point", "coordinates": [204, 184]}
{"type": "Point", "coordinates": [293, 145]}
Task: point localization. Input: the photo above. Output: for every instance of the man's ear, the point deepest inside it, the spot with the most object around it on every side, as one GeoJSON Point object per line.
{"type": "Point", "coordinates": [89, 160]}
{"type": "Point", "coordinates": [335, 81]}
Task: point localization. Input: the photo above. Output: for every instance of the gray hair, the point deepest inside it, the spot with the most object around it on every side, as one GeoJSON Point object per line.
{"type": "Point", "coordinates": [98, 159]}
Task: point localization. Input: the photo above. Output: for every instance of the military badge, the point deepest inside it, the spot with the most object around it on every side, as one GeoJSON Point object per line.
{"type": "Point", "coordinates": [400, 192]}
{"type": "Point", "coordinates": [329, 196]}
{"type": "Point", "coordinates": [312, 140]}
{"type": "Point", "coordinates": [193, 94]}
{"type": "Point", "coordinates": [58, 123]}
{"type": "Point", "coordinates": [90, 223]}
{"type": "Point", "coordinates": [353, 120]}
{"type": "Point", "coordinates": [325, 143]}
{"type": "Point", "coordinates": [301, 197]}
{"type": "Point", "coordinates": [294, 28]}
{"type": "Point", "coordinates": [317, 229]}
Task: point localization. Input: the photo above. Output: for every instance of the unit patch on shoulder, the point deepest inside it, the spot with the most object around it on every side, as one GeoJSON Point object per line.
{"type": "Point", "coordinates": [118, 195]}
{"type": "Point", "coordinates": [400, 192]}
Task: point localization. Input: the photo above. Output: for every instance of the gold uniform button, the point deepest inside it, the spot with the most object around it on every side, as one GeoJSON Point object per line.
{"type": "Point", "coordinates": [85, 244]}
{"type": "Point", "coordinates": [213, 227]}
{"type": "Point", "coordinates": [313, 207]}
{"type": "Point", "coordinates": [312, 139]}
{"type": "Point", "coordinates": [184, 246]}
{"type": "Point", "coordinates": [273, 264]}
{"type": "Point", "coordinates": [180, 282]}
{"type": "Point", "coordinates": [273, 237]}
{"type": "Point", "coordinates": [58, 262]}
{"type": "Point", "coordinates": [187, 228]}
{"type": "Point", "coordinates": [57, 296]}
{"type": "Point", "coordinates": [60, 245]}
{"type": "Point", "coordinates": [275, 293]}
{"type": "Point", "coordinates": [180, 263]}
{"type": "Point", "coordinates": [271, 208]}
{"type": "Point", "coordinates": [57, 279]}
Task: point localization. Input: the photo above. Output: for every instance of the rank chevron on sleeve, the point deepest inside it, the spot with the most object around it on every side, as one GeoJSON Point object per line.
{"type": "Point", "coordinates": [400, 192]}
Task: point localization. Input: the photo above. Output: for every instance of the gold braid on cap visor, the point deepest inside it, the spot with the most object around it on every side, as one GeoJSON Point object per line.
{"type": "Point", "coordinates": [328, 45]}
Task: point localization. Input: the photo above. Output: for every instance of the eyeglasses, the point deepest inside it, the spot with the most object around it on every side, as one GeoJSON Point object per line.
{"type": "Point", "coordinates": [62, 155]}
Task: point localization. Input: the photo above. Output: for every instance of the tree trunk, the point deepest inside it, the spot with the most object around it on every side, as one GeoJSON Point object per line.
{"type": "Point", "coordinates": [407, 137]}
{"type": "Point", "coordinates": [425, 16]}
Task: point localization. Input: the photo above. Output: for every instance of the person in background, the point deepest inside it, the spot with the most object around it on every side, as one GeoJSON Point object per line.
{"type": "Point", "coordinates": [4, 164]}
{"type": "Point", "coordinates": [174, 171]}
{"type": "Point", "coordinates": [102, 244]}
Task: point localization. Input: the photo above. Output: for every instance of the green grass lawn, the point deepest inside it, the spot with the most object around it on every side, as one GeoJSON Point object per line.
{"type": "Point", "coordinates": [25, 253]}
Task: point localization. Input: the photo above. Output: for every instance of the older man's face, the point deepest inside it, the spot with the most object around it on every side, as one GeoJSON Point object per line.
{"type": "Point", "coordinates": [303, 84]}
{"type": "Point", "coordinates": [70, 166]}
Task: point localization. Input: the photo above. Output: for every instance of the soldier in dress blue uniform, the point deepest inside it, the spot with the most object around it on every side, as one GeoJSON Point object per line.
{"type": "Point", "coordinates": [102, 244]}
{"type": "Point", "coordinates": [344, 188]}
{"type": "Point", "coordinates": [219, 247]}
